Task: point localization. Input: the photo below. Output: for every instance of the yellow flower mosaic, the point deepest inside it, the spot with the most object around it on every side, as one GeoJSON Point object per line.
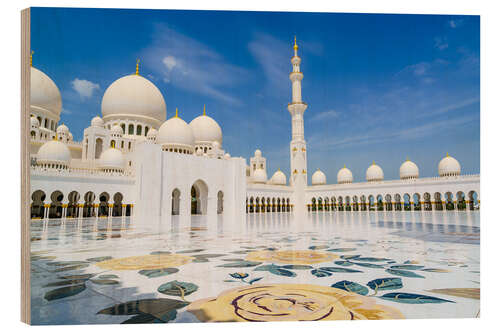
{"type": "Point", "coordinates": [290, 302]}
{"type": "Point", "coordinates": [150, 261]}
{"type": "Point", "coordinates": [292, 257]}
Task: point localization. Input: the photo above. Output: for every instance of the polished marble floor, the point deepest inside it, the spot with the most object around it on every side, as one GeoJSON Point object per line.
{"type": "Point", "coordinates": [273, 266]}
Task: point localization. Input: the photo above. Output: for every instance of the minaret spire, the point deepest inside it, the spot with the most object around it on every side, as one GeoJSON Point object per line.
{"type": "Point", "coordinates": [137, 66]}
{"type": "Point", "coordinates": [298, 151]}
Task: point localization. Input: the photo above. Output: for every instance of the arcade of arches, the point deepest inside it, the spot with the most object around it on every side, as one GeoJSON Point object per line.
{"type": "Point", "coordinates": [75, 205]}
{"type": "Point", "coordinates": [398, 202]}
{"type": "Point", "coordinates": [268, 205]}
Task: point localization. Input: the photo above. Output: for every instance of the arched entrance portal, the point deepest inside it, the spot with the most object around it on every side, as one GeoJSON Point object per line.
{"type": "Point", "coordinates": [37, 206]}
{"type": "Point", "coordinates": [176, 199]}
{"type": "Point", "coordinates": [199, 195]}
{"type": "Point", "coordinates": [220, 202]}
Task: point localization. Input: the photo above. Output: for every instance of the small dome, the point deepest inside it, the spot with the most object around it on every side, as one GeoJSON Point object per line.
{"type": "Point", "coordinates": [260, 176]}
{"type": "Point", "coordinates": [344, 176]}
{"type": "Point", "coordinates": [70, 136]}
{"type": "Point", "coordinates": [97, 122]}
{"type": "Point", "coordinates": [44, 93]}
{"type": "Point", "coordinates": [34, 122]}
{"type": "Point", "coordinates": [176, 133]}
{"type": "Point", "coordinates": [62, 129]}
{"type": "Point", "coordinates": [116, 130]}
{"type": "Point", "coordinates": [449, 167]}
{"type": "Point", "coordinates": [408, 170]}
{"type": "Point", "coordinates": [152, 134]}
{"type": "Point", "coordinates": [216, 145]}
{"type": "Point", "coordinates": [112, 159]}
{"type": "Point", "coordinates": [53, 152]}
{"type": "Point", "coordinates": [279, 178]}
{"type": "Point", "coordinates": [257, 153]}
{"type": "Point", "coordinates": [134, 95]}
{"type": "Point", "coordinates": [206, 130]}
{"type": "Point", "coordinates": [318, 178]}
{"type": "Point", "coordinates": [374, 173]}
{"type": "Point", "coordinates": [227, 156]}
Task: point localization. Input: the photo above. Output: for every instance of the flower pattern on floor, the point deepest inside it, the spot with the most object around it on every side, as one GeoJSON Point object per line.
{"type": "Point", "coordinates": [151, 261]}
{"type": "Point", "coordinates": [293, 257]}
{"type": "Point", "coordinates": [286, 302]}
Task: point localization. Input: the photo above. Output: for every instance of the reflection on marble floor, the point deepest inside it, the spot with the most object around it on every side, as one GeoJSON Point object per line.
{"type": "Point", "coordinates": [277, 266]}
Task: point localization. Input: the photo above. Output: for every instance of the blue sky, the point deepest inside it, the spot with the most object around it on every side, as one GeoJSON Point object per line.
{"type": "Point", "coordinates": [379, 87]}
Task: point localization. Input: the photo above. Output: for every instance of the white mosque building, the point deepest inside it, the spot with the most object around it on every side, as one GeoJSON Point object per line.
{"type": "Point", "coordinates": [135, 161]}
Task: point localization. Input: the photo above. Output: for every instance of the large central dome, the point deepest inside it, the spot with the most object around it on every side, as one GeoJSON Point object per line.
{"type": "Point", "coordinates": [44, 93]}
{"type": "Point", "coordinates": [135, 96]}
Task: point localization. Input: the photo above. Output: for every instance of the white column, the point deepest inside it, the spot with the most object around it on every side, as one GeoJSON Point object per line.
{"type": "Point", "coordinates": [46, 211]}
{"type": "Point", "coordinates": [64, 210]}
{"type": "Point", "coordinates": [80, 210]}
{"type": "Point", "coordinates": [211, 206]}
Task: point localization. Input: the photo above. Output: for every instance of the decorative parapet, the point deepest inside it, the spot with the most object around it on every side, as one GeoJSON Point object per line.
{"type": "Point", "coordinates": [396, 182]}
{"type": "Point", "coordinates": [72, 172]}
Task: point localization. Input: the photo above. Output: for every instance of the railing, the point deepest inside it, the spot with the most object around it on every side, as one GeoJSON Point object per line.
{"type": "Point", "coordinates": [72, 172]}
{"type": "Point", "coordinates": [392, 182]}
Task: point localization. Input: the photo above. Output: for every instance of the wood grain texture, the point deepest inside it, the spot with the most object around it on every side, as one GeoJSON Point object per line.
{"type": "Point", "coordinates": [25, 175]}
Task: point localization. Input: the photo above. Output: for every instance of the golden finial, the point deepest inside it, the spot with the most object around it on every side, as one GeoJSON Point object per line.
{"type": "Point", "coordinates": [407, 159]}
{"type": "Point", "coordinates": [176, 113]}
{"type": "Point", "coordinates": [137, 66]}
{"type": "Point", "coordinates": [204, 111]}
{"type": "Point", "coordinates": [373, 163]}
{"type": "Point", "coordinates": [344, 165]}
{"type": "Point", "coordinates": [295, 46]}
{"type": "Point", "coordinates": [31, 58]}
{"type": "Point", "coordinates": [447, 155]}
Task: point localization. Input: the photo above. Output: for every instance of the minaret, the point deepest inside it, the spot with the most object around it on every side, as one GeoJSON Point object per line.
{"type": "Point", "coordinates": [298, 153]}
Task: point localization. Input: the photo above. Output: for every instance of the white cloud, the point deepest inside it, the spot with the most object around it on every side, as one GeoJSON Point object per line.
{"type": "Point", "coordinates": [170, 62]}
{"type": "Point", "coordinates": [273, 55]}
{"type": "Point", "coordinates": [440, 43]}
{"type": "Point", "coordinates": [323, 142]}
{"type": "Point", "coordinates": [193, 66]}
{"type": "Point", "coordinates": [455, 23]}
{"type": "Point", "coordinates": [326, 115]}
{"type": "Point", "coordinates": [66, 111]}
{"type": "Point", "coordinates": [84, 88]}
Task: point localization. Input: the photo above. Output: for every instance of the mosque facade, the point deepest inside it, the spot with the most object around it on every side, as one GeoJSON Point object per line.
{"type": "Point", "coordinates": [135, 161]}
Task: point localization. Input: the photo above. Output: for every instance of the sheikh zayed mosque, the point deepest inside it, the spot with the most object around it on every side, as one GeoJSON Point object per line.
{"type": "Point", "coordinates": [133, 161]}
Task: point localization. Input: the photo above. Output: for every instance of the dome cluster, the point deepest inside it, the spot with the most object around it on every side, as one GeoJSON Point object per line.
{"type": "Point", "coordinates": [448, 166]}
{"type": "Point", "coordinates": [201, 135]}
